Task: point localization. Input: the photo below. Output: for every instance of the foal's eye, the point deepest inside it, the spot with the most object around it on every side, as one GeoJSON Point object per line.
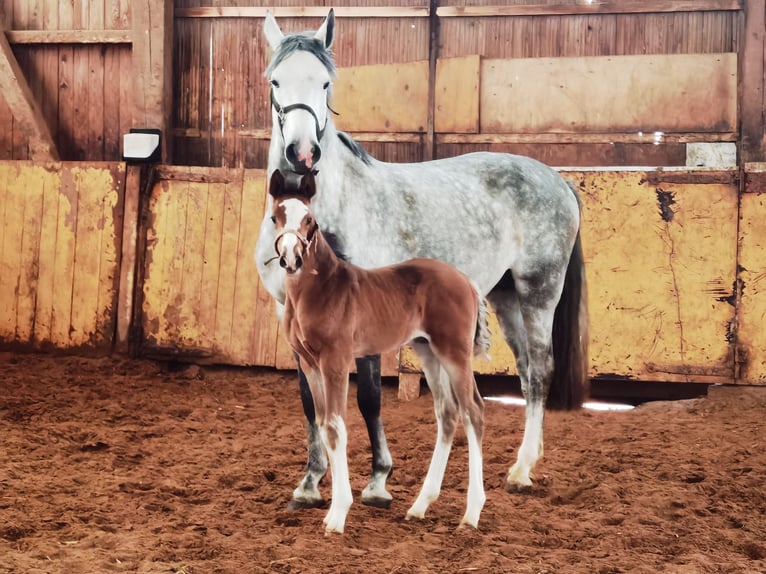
{"type": "Point", "coordinates": [309, 221]}
{"type": "Point", "coordinates": [274, 83]}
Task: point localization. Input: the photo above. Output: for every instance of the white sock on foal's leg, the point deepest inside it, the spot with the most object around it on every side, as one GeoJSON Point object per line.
{"type": "Point", "coordinates": [335, 519]}
{"type": "Point", "coordinates": [433, 482]}
{"type": "Point", "coordinates": [476, 496]}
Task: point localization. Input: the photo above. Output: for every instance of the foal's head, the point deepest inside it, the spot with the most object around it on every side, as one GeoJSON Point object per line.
{"type": "Point", "coordinates": [293, 221]}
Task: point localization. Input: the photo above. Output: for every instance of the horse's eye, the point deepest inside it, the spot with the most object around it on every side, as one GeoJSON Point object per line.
{"type": "Point", "coordinates": [274, 83]}
{"type": "Point", "coordinates": [273, 219]}
{"type": "Point", "coordinates": [326, 85]}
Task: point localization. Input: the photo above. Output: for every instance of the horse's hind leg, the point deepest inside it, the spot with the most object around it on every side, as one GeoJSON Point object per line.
{"type": "Point", "coordinates": [368, 399]}
{"type": "Point", "coordinates": [446, 421]}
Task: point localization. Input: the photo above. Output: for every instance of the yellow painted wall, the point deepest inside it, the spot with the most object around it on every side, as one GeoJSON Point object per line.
{"type": "Point", "coordinates": [60, 228]}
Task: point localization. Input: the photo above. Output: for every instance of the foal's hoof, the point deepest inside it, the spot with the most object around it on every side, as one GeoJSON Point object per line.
{"type": "Point", "coordinates": [304, 503]}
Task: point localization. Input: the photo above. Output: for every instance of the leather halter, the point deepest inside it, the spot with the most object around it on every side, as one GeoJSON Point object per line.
{"type": "Point", "coordinates": [282, 111]}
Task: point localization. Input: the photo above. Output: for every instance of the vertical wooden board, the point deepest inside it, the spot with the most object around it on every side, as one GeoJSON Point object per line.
{"type": "Point", "coordinates": [751, 316]}
{"type": "Point", "coordinates": [63, 260]}
{"type": "Point", "coordinates": [10, 240]}
{"type": "Point", "coordinates": [109, 180]}
{"type": "Point", "coordinates": [6, 135]}
{"type": "Point", "coordinates": [157, 252]}
{"type": "Point", "coordinates": [660, 266]}
{"type": "Point", "coordinates": [211, 261]}
{"type": "Point", "coordinates": [456, 109]}
{"type": "Point", "coordinates": [265, 324]}
{"type": "Point", "coordinates": [81, 106]}
{"type": "Point", "coordinates": [46, 285]}
{"type": "Point", "coordinates": [112, 104]}
{"type": "Point", "coordinates": [91, 191]}
{"type": "Point", "coordinates": [94, 149]}
{"type": "Point", "coordinates": [557, 95]}
{"type": "Point", "coordinates": [129, 242]}
{"type": "Point", "coordinates": [243, 329]}
{"type": "Point", "coordinates": [228, 268]}
{"type": "Point", "coordinates": [28, 187]}
{"type": "Point", "coordinates": [50, 90]}
{"type": "Point", "coordinates": [66, 103]}
{"type": "Point", "coordinates": [382, 98]}
{"type": "Point", "coordinates": [191, 329]}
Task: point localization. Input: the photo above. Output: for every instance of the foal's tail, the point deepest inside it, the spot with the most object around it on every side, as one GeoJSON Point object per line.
{"type": "Point", "coordinates": [481, 339]}
{"type": "Point", "coordinates": [569, 385]}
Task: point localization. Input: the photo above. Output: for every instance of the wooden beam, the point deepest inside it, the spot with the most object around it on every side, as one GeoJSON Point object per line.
{"type": "Point", "coordinates": [595, 7]}
{"type": "Point", "coordinates": [153, 68]}
{"type": "Point", "coordinates": [70, 36]}
{"type": "Point", "coordinates": [304, 12]}
{"type": "Point", "coordinates": [752, 83]}
{"type": "Point", "coordinates": [127, 285]}
{"type": "Point", "coordinates": [587, 138]}
{"type": "Point", "coordinates": [23, 106]}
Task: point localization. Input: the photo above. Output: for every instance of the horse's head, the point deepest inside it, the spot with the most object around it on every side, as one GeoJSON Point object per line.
{"type": "Point", "coordinates": [294, 223]}
{"type": "Point", "coordinates": [300, 73]}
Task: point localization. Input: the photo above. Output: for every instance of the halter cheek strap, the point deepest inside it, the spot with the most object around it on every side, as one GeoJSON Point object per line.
{"type": "Point", "coordinates": [283, 111]}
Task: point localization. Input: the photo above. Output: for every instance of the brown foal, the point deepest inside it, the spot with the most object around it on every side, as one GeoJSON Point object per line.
{"type": "Point", "coordinates": [336, 311]}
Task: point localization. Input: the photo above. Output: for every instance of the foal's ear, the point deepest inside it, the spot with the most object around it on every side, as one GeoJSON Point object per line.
{"type": "Point", "coordinates": [277, 184]}
{"type": "Point", "coordinates": [308, 186]}
{"type": "Point", "coordinates": [271, 30]}
{"type": "Point", "coordinates": [326, 32]}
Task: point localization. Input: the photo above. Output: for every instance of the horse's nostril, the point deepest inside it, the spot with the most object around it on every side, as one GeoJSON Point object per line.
{"type": "Point", "coordinates": [291, 153]}
{"type": "Point", "coordinates": [298, 262]}
{"type": "Point", "coordinates": [282, 262]}
{"type": "Point", "coordinates": [316, 153]}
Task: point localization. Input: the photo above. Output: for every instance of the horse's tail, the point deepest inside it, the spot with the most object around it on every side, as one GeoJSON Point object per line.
{"type": "Point", "coordinates": [481, 338]}
{"type": "Point", "coordinates": [569, 385]}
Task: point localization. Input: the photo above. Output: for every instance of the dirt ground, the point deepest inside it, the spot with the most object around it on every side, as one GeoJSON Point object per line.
{"type": "Point", "coordinates": [113, 465]}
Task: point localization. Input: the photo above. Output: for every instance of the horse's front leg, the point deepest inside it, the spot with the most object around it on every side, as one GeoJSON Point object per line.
{"type": "Point", "coordinates": [307, 494]}
{"type": "Point", "coordinates": [368, 399]}
{"type": "Point", "coordinates": [332, 429]}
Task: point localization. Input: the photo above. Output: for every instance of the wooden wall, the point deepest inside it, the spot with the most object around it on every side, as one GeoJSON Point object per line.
{"type": "Point", "coordinates": [79, 73]}
{"type": "Point", "coordinates": [222, 108]}
{"type": "Point", "coordinates": [60, 240]}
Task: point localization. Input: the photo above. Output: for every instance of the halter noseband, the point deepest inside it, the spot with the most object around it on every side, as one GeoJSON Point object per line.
{"type": "Point", "coordinates": [283, 111]}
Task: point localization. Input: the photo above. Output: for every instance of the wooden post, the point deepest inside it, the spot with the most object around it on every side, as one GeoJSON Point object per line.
{"type": "Point", "coordinates": [126, 293]}
{"type": "Point", "coordinates": [153, 68]}
{"type": "Point", "coordinates": [23, 106]}
{"type": "Point", "coordinates": [752, 83]}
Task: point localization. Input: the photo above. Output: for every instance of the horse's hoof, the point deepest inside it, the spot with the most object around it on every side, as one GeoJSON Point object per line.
{"type": "Point", "coordinates": [517, 488]}
{"type": "Point", "coordinates": [303, 504]}
{"type": "Point", "coordinates": [377, 501]}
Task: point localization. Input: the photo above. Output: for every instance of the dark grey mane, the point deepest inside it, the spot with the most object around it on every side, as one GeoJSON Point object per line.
{"type": "Point", "coordinates": [302, 43]}
{"type": "Point", "coordinates": [355, 147]}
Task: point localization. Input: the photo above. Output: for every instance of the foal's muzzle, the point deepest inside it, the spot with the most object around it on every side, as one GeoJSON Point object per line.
{"type": "Point", "coordinates": [291, 260]}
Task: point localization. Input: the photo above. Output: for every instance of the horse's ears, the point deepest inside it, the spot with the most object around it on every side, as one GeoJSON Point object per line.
{"type": "Point", "coordinates": [308, 186]}
{"type": "Point", "coordinates": [277, 184]}
{"type": "Point", "coordinates": [271, 30]}
{"type": "Point", "coordinates": [326, 32]}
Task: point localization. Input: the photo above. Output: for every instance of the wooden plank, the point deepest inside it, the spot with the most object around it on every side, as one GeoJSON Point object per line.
{"type": "Point", "coordinates": [49, 36]}
{"type": "Point", "coordinates": [752, 79]}
{"type": "Point", "coordinates": [557, 95]}
{"type": "Point", "coordinates": [24, 107]}
{"type": "Point", "coordinates": [304, 12]}
{"type": "Point", "coordinates": [109, 180]}
{"type": "Point", "coordinates": [46, 285]}
{"type": "Point", "coordinates": [227, 271]}
{"type": "Point", "coordinates": [457, 95]}
{"type": "Point", "coordinates": [264, 324]}
{"type": "Point", "coordinates": [29, 186]}
{"type": "Point", "coordinates": [128, 257]}
{"type": "Point", "coordinates": [96, 105]}
{"type": "Point", "coordinates": [154, 285]}
{"type": "Point", "coordinates": [244, 334]}
{"type": "Point", "coordinates": [661, 264]}
{"type": "Point", "coordinates": [87, 258]}
{"type": "Point", "coordinates": [588, 138]}
{"type": "Point", "coordinates": [211, 258]}
{"type": "Point", "coordinates": [152, 68]}
{"type": "Point", "coordinates": [751, 310]}
{"type": "Point", "coordinates": [9, 250]}
{"type": "Point", "coordinates": [365, 96]}
{"type": "Point", "coordinates": [595, 7]}
{"type": "Point", "coordinates": [409, 386]}
{"type": "Point", "coordinates": [63, 259]}
{"type": "Point", "coordinates": [113, 105]}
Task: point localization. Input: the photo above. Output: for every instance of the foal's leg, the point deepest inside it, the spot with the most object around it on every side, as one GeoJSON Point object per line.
{"type": "Point", "coordinates": [471, 406]}
{"type": "Point", "coordinates": [307, 494]}
{"type": "Point", "coordinates": [446, 422]}
{"type": "Point", "coordinates": [368, 399]}
{"type": "Point", "coordinates": [332, 429]}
